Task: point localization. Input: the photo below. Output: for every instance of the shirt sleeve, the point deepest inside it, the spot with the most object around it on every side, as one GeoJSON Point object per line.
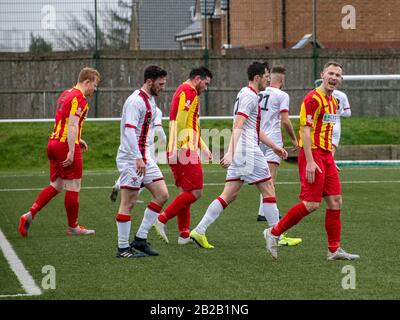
{"type": "Point", "coordinates": [78, 103]}
{"type": "Point", "coordinates": [246, 105]}
{"type": "Point", "coordinates": [284, 106]}
{"type": "Point", "coordinates": [158, 118]}
{"type": "Point", "coordinates": [307, 112]}
{"type": "Point", "coordinates": [134, 112]}
{"type": "Point", "coordinates": [346, 111]}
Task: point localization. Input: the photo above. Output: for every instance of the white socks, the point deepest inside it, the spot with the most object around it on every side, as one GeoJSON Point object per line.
{"type": "Point", "coordinates": [124, 229]}
{"type": "Point", "coordinates": [269, 210]}
{"type": "Point", "coordinates": [149, 218]}
{"type": "Point", "coordinates": [212, 213]}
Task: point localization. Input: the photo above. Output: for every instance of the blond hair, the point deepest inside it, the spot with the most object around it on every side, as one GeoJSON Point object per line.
{"type": "Point", "coordinates": [88, 74]}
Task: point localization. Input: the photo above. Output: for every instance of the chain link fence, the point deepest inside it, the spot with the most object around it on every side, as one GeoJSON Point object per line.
{"type": "Point", "coordinates": [59, 25]}
{"type": "Point", "coordinates": [43, 26]}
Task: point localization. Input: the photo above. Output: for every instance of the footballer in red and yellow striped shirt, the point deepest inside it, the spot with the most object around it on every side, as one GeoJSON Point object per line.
{"type": "Point", "coordinates": [184, 142]}
{"type": "Point", "coordinates": [65, 155]}
{"type": "Point", "coordinates": [318, 111]}
{"type": "Point", "coordinates": [319, 177]}
{"type": "Point", "coordinates": [71, 102]}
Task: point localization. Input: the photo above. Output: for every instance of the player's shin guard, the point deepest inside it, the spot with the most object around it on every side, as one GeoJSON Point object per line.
{"type": "Point", "coordinates": [270, 211]}
{"type": "Point", "coordinates": [183, 219]}
{"type": "Point", "coordinates": [150, 215]}
{"type": "Point", "coordinates": [71, 202]}
{"type": "Point", "coordinates": [124, 228]}
{"type": "Point", "coordinates": [43, 198]}
{"type": "Point", "coordinates": [291, 218]}
{"type": "Point", "coordinates": [180, 202]}
{"type": "Point", "coordinates": [333, 228]}
{"type": "Point", "coordinates": [212, 214]}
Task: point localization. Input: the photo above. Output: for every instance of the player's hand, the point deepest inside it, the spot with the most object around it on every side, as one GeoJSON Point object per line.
{"type": "Point", "coordinates": [310, 171]}
{"type": "Point", "coordinates": [280, 152]}
{"type": "Point", "coordinates": [140, 167]}
{"type": "Point", "coordinates": [83, 145]}
{"type": "Point", "coordinates": [295, 146]}
{"type": "Point", "coordinates": [226, 160]}
{"type": "Point", "coordinates": [208, 155]}
{"type": "Point", "coordinates": [69, 160]}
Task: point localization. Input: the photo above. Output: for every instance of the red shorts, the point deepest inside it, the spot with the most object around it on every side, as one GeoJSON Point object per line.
{"type": "Point", "coordinates": [326, 183]}
{"type": "Point", "coordinates": [188, 176]}
{"type": "Point", "coordinates": [56, 153]}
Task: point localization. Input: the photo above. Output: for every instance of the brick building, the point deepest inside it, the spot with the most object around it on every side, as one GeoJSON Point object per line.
{"type": "Point", "coordinates": [282, 23]}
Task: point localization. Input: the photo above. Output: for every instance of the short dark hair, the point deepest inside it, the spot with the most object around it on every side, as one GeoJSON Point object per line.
{"type": "Point", "coordinates": [203, 72]}
{"type": "Point", "coordinates": [278, 69]}
{"type": "Point", "coordinates": [332, 63]}
{"type": "Point", "coordinates": [256, 68]}
{"type": "Point", "coordinates": [154, 72]}
{"type": "Point", "coordinates": [267, 66]}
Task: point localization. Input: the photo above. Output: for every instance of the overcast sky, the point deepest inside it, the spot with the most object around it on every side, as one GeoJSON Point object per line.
{"type": "Point", "coordinates": [18, 18]}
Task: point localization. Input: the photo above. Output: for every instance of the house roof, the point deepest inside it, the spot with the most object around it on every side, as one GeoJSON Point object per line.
{"type": "Point", "coordinates": [160, 21]}
{"type": "Point", "coordinates": [192, 30]}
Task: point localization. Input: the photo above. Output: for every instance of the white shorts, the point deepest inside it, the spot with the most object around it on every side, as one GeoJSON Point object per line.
{"type": "Point", "coordinates": [271, 156]}
{"type": "Point", "coordinates": [129, 179]}
{"type": "Point", "coordinates": [251, 169]}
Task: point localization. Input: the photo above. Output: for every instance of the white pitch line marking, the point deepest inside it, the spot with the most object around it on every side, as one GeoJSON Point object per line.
{"type": "Point", "coordinates": [208, 184]}
{"type": "Point", "coordinates": [18, 268]}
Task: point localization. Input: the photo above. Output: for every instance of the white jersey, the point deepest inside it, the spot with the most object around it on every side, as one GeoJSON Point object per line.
{"type": "Point", "coordinates": [342, 111]}
{"type": "Point", "coordinates": [138, 114]}
{"type": "Point", "coordinates": [273, 101]}
{"type": "Point", "coordinates": [157, 123]}
{"type": "Point", "coordinates": [247, 105]}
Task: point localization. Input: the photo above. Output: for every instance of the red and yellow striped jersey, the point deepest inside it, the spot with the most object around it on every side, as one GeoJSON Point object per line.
{"type": "Point", "coordinates": [70, 102]}
{"type": "Point", "coordinates": [184, 128]}
{"type": "Point", "coordinates": [318, 111]}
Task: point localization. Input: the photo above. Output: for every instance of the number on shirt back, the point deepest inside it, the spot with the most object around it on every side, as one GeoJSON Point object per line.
{"type": "Point", "coordinates": [265, 98]}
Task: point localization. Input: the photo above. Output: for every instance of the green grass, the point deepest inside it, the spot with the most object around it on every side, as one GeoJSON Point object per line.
{"type": "Point", "coordinates": [238, 267]}
{"type": "Point", "coordinates": [24, 145]}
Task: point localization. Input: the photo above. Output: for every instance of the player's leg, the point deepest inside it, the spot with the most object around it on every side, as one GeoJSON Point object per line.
{"type": "Point", "coordinates": [269, 208]}
{"type": "Point", "coordinates": [273, 169]}
{"type": "Point", "coordinates": [48, 193]}
{"type": "Point", "coordinates": [129, 186]}
{"type": "Point", "coordinates": [71, 203]}
{"type": "Point", "coordinates": [115, 190]}
{"type": "Point", "coordinates": [310, 196]}
{"type": "Point", "coordinates": [333, 199]}
{"type": "Point", "coordinates": [189, 178]}
{"type": "Point", "coordinates": [123, 220]}
{"type": "Point", "coordinates": [159, 191]}
{"type": "Point", "coordinates": [231, 190]}
{"type": "Point", "coordinates": [72, 180]}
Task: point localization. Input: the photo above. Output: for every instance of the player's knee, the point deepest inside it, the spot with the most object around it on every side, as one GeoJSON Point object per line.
{"type": "Point", "coordinates": [73, 185]}
{"type": "Point", "coordinates": [162, 197]}
{"type": "Point", "coordinates": [311, 206]}
{"type": "Point", "coordinates": [197, 193]}
{"type": "Point", "coordinates": [334, 203]}
{"type": "Point", "coordinates": [58, 185]}
{"type": "Point", "coordinates": [229, 197]}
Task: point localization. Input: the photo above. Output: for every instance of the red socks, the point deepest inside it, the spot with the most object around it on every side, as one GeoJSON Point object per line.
{"type": "Point", "coordinates": [333, 228]}
{"type": "Point", "coordinates": [43, 198]}
{"type": "Point", "coordinates": [181, 202]}
{"type": "Point", "coordinates": [71, 203]}
{"type": "Point", "coordinates": [183, 219]}
{"type": "Point", "coordinates": [291, 218]}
